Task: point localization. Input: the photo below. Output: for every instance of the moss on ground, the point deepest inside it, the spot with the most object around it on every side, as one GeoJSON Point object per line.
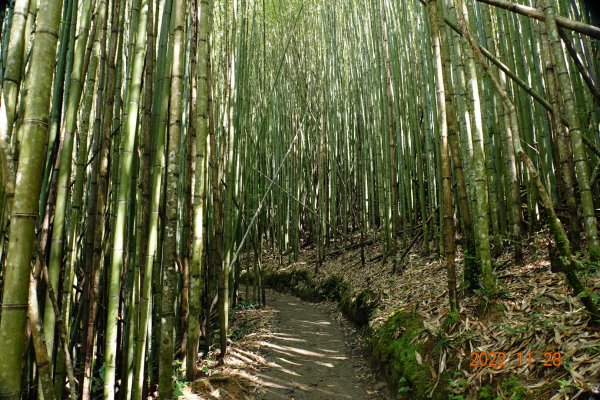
{"type": "Point", "coordinates": [360, 307]}
{"type": "Point", "coordinates": [513, 386]}
{"type": "Point", "coordinates": [393, 345]}
{"type": "Point", "coordinates": [333, 288]}
{"type": "Point", "coordinates": [297, 282]}
{"type": "Point", "coordinates": [510, 385]}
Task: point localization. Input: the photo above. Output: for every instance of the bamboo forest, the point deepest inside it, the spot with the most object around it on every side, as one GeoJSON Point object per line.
{"type": "Point", "coordinates": [299, 199]}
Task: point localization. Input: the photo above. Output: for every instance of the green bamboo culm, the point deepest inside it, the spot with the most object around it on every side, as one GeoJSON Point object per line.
{"type": "Point", "coordinates": [13, 68]}
{"type": "Point", "coordinates": [480, 178]}
{"type": "Point", "coordinates": [570, 112]}
{"type": "Point", "coordinates": [66, 157]}
{"type": "Point", "coordinates": [156, 185]}
{"type": "Point", "coordinates": [124, 190]}
{"type": "Point", "coordinates": [568, 262]}
{"type": "Point", "coordinates": [97, 196]}
{"type": "Point", "coordinates": [190, 143]}
{"type": "Point", "coordinates": [198, 236]}
{"type": "Point", "coordinates": [447, 200]}
{"type": "Point", "coordinates": [170, 253]}
{"type": "Point", "coordinates": [27, 192]}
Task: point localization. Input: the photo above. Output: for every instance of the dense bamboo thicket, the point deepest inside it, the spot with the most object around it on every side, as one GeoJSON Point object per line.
{"type": "Point", "coordinates": [152, 150]}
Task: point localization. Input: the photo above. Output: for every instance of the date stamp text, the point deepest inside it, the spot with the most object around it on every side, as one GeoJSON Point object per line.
{"type": "Point", "coordinates": [500, 359]}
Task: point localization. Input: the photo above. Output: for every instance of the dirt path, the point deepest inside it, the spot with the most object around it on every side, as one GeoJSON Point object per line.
{"type": "Point", "coordinates": [308, 357]}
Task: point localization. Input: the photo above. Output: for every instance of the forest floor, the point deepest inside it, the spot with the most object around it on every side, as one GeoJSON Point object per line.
{"type": "Point", "coordinates": [290, 350]}
{"type": "Point", "coordinates": [287, 349]}
{"type": "Point", "coordinates": [534, 313]}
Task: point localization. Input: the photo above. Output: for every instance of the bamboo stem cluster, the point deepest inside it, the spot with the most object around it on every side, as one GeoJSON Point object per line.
{"type": "Point", "coordinates": [152, 151]}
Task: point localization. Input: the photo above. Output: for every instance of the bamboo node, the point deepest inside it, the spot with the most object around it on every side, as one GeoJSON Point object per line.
{"type": "Point", "coordinates": [14, 306]}
{"type": "Point", "coordinates": [48, 31]}
{"type": "Point", "coordinates": [25, 215]}
{"type": "Point", "coordinates": [35, 121]}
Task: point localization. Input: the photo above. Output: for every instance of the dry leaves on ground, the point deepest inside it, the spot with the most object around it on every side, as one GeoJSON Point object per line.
{"type": "Point", "coordinates": [535, 313]}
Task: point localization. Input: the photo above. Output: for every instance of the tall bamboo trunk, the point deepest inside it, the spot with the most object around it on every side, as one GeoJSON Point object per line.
{"type": "Point", "coordinates": [198, 238]}
{"type": "Point", "coordinates": [95, 236]}
{"type": "Point", "coordinates": [570, 111]}
{"type": "Point", "coordinates": [448, 207]}
{"type": "Point", "coordinates": [392, 136]}
{"type": "Point", "coordinates": [170, 251]}
{"type": "Point", "coordinates": [66, 156]}
{"type": "Point", "coordinates": [13, 71]}
{"type": "Point", "coordinates": [124, 190]}
{"type": "Point", "coordinates": [27, 193]}
{"type": "Point", "coordinates": [568, 262]}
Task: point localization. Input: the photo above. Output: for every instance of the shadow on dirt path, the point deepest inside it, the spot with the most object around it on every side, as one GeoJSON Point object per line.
{"type": "Point", "coordinates": [307, 357]}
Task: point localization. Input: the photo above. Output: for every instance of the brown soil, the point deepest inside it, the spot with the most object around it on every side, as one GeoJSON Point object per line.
{"type": "Point", "coordinates": [308, 356]}
{"type": "Point", "coordinates": [304, 352]}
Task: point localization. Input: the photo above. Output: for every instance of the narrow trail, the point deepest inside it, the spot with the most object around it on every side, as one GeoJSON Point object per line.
{"type": "Point", "coordinates": [308, 357]}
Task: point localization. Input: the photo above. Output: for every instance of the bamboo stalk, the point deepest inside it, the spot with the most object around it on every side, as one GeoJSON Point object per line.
{"type": "Point", "coordinates": [589, 30]}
